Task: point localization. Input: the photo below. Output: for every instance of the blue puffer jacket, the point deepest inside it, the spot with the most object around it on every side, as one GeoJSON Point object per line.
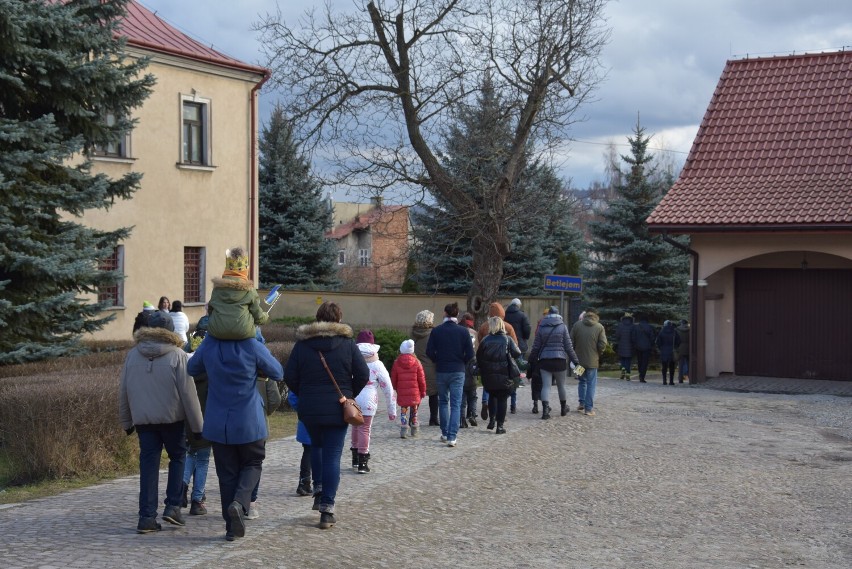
{"type": "Point", "coordinates": [305, 375]}
{"type": "Point", "coordinates": [666, 342]}
{"type": "Point", "coordinates": [234, 413]}
{"type": "Point", "coordinates": [553, 341]}
{"type": "Point", "coordinates": [624, 338]}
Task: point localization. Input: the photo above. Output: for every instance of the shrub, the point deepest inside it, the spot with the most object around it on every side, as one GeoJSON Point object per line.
{"type": "Point", "coordinates": [389, 340]}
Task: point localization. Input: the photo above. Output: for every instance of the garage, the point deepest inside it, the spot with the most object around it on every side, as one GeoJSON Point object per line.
{"type": "Point", "coordinates": [794, 323]}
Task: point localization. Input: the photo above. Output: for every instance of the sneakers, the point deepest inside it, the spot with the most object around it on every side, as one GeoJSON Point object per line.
{"type": "Point", "coordinates": [443, 439]}
{"type": "Point", "coordinates": [254, 511]}
{"type": "Point", "coordinates": [238, 524]}
{"type": "Point", "coordinates": [451, 443]}
{"type": "Point", "coordinates": [197, 509]}
{"type": "Point", "coordinates": [148, 525]}
{"type": "Point", "coordinates": [172, 515]}
{"type": "Point", "coordinates": [304, 487]}
{"type": "Point", "coordinates": [327, 520]}
{"type": "Point", "coordinates": [580, 409]}
{"type": "Point", "coordinates": [590, 413]}
{"type": "Point", "coordinates": [472, 421]}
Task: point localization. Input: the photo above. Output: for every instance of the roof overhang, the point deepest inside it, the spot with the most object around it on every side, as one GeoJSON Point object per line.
{"type": "Point", "coordinates": [677, 229]}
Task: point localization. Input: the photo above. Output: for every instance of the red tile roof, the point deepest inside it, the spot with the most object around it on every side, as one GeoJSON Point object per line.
{"type": "Point", "coordinates": [774, 150]}
{"type": "Point", "coordinates": [362, 221]}
{"type": "Point", "coordinates": [145, 30]}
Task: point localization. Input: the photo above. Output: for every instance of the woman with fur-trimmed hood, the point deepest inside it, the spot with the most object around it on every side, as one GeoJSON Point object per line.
{"type": "Point", "coordinates": [234, 306]}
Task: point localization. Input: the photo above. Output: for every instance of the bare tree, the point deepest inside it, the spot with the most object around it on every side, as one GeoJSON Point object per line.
{"type": "Point", "coordinates": [378, 87]}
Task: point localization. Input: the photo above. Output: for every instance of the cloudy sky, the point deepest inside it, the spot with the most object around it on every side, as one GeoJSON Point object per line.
{"type": "Point", "coordinates": [663, 61]}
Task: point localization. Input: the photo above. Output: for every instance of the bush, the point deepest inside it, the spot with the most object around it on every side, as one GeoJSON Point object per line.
{"type": "Point", "coordinates": [389, 340]}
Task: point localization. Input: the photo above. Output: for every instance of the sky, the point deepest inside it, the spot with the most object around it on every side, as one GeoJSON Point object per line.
{"type": "Point", "coordinates": [662, 63]}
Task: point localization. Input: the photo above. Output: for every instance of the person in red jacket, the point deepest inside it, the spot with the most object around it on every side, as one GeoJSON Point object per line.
{"type": "Point", "coordinates": [409, 382]}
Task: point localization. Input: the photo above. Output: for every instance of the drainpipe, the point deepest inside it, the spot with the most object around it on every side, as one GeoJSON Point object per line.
{"type": "Point", "coordinates": [693, 306]}
{"type": "Point", "coordinates": [253, 182]}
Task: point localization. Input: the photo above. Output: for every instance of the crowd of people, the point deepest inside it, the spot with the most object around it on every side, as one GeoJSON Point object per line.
{"type": "Point", "coordinates": [194, 400]}
{"type": "Point", "coordinates": [638, 339]}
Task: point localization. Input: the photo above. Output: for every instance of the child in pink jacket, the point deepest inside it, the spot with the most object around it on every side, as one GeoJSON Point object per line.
{"type": "Point", "coordinates": [368, 400]}
{"type": "Point", "coordinates": [409, 381]}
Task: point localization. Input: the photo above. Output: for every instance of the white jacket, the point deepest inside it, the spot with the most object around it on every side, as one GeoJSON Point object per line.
{"type": "Point", "coordinates": [368, 399]}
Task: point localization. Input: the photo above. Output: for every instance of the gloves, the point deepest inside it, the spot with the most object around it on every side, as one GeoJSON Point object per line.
{"type": "Point", "coordinates": [391, 417]}
{"type": "Point", "coordinates": [130, 430]}
{"type": "Point", "coordinates": [196, 436]}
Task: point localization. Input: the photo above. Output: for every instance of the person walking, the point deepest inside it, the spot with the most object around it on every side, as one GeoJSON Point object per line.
{"type": "Point", "coordinates": [180, 320]}
{"type": "Point", "coordinates": [492, 357]}
{"type": "Point", "coordinates": [270, 394]}
{"type": "Point", "coordinates": [682, 345]}
{"type": "Point", "coordinates": [156, 396]}
{"type": "Point", "coordinates": [450, 348]}
{"type": "Point", "coordinates": [235, 420]}
{"type": "Point", "coordinates": [552, 350]}
{"type": "Point", "coordinates": [326, 342]}
{"type": "Point", "coordinates": [666, 346]}
{"type": "Point", "coordinates": [303, 438]}
{"type": "Point", "coordinates": [368, 400]}
{"type": "Point", "coordinates": [409, 381]}
{"type": "Point", "coordinates": [589, 338]}
{"type": "Point", "coordinates": [624, 344]}
{"type": "Point", "coordinates": [420, 333]}
{"type": "Point", "coordinates": [496, 309]}
{"type": "Point", "coordinates": [197, 461]}
{"type": "Point", "coordinates": [468, 405]}
{"type": "Point", "coordinates": [520, 323]}
{"type": "Point", "coordinates": [142, 318]}
{"type": "Point", "coordinates": [644, 337]}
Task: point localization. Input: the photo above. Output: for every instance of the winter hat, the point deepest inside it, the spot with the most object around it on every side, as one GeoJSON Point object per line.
{"type": "Point", "coordinates": [628, 315]}
{"type": "Point", "coordinates": [365, 337]}
{"type": "Point", "coordinates": [424, 318]}
{"type": "Point", "coordinates": [553, 310]}
{"type": "Point", "coordinates": [516, 301]}
{"type": "Point", "coordinates": [407, 347]}
{"type": "Point", "coordinates": [160, 319]}
{"type": "Point", "coordinates": [147, 306]}
{"type": "Point", "coordinates": [236, 263]}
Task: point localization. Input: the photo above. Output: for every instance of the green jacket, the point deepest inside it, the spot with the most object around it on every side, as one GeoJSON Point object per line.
{"type": "Point", "coordinates": [589, 339]}
{"type": "Point", "coordinates": [235, 310]}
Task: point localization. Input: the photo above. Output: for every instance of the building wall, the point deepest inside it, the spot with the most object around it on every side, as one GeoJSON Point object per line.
{"type": "Point", "coordinates": [720, 255]}
{"type": "Point", "coordinates": [390, 249]}
{"type": "Point", "coordinates": [178, 207]}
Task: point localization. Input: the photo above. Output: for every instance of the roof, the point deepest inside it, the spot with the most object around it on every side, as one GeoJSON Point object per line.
{"type": "Point", "coordinates": [146, 30]}
{"type": "Point", "coordinates": [774, 150]}
{"type": "Point", "coordinates": [362, 221]}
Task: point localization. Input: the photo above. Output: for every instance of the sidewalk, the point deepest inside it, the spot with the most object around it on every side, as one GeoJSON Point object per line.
{"type": "Point", "coordinates": [661, 477]}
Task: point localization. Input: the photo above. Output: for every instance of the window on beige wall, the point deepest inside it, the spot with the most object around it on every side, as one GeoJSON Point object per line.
{"type": "Point", "coordinates": [115, 262]}
{"type": "Point", "coordinates": [117, 149]}
{"type": "Point", "coordinates": [195, 131]}
{"type": "Point", "coordinates": [193, 274]}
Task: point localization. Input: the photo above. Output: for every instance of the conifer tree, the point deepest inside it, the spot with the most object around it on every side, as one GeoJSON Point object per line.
{"type": "Point", "coordinates": [630, 269]}
{"type": "Point", "coordinates": [293, 215]}
{"type": "Point", "coordinates": [62, 69]}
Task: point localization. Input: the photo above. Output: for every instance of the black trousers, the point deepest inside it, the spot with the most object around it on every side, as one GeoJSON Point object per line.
{"type": "Point", "coordinates": [497, 404]}
{"type": "Point", "coordinates": [238, 468]}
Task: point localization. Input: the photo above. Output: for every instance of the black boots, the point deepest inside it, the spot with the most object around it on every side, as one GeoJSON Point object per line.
{"type": "Point", "coordinates": [354, 452]}
{"type": "Point", "coordinates": [565, 409]}
{"type": "Point", "coordinates": [500, 430]}
{"type": "Point", "coordinates": [363, 466]}
{"type": "Point", "coordinates": [462, 423]}
{"type": "Point", "coordinates": [535, 406]}
{"type": "Point", "coordinates": [545, 410]}
{"type": "Point", "coordinates": [512, 409]}
{"type": "Point", "coordinates": [304, 487]}
{"type": "Point", "coordinates": [484, 413]}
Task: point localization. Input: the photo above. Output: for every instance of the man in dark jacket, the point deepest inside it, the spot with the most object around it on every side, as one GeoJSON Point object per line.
{"type": "Point", "coordinates": [643, 340]}
{"type": "Point", "coordinates": [450, 348]}
{"type": "Point", "coordinates": [519, 321]}
{"type": "Point", "coordinates": [624, 344]}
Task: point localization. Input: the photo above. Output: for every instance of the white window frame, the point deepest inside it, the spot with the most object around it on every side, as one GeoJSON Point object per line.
{"type": "Point", "coordinates": [364, 257]}
{"type": "Point", "coordinates": [206, 132]}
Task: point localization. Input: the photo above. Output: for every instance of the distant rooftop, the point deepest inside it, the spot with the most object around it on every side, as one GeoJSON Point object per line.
{"type": "Point", "coordinates": [774, 150]}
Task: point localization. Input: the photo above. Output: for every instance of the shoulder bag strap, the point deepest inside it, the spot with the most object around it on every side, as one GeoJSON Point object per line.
{"type": "Point", "coordinates": [331, 375]}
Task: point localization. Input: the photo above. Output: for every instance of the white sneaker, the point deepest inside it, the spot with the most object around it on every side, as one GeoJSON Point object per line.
{"type": "Point", "coordinates": [451, 443]}
{"type": "Point", "coordinates": [443, 439]}
{"type": "Point", "coordinates": [253, 512]}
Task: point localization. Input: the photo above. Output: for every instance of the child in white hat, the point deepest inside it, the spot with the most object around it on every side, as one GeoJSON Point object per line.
{"type": "Point", "coordinates": [409, 381]}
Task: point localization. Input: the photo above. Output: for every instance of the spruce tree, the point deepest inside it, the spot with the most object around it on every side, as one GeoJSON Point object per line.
{"type": "Point", "coordinates": [293, 216]}
{"type": "Point", "coordinates": [630, 269]}
{"type": "Point", "coordinates": [62, 69]}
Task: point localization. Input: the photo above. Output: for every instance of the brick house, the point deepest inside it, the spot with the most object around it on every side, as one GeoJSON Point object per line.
{"type": "Point", "coordinates": [766, 199]}
{"type": "Point", "coordinates": [372, 245]}
{"type": "Point", "coordinates": [195, 142]}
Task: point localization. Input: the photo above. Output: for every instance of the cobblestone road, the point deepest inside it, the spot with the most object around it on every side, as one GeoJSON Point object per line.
{"type": "Point", "coordinates": [676, 477]}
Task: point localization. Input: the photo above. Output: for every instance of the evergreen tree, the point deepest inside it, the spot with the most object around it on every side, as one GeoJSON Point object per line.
{"type": "Point", "coordinates": [631, 270]}
{"type": "Point", "coordinates": [62, 69]}
{"type": "Point", "coordinates": [539, 227]}
{"type": "Point", "coordinates": [293, 215]}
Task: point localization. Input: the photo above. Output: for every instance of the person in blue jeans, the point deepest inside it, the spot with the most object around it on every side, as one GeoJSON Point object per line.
{"type": "Point", "coordinates": [197, 461]}
{"type": "Point", "coordinates": [589, 339]}
{"type": "Point", "coordinates": [450, 349]}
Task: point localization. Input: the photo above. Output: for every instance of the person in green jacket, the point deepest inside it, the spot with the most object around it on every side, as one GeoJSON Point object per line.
{"type": "Point", "coordinates": [589, 339]}
{"type": "Point", "coordinates": [234, 305]}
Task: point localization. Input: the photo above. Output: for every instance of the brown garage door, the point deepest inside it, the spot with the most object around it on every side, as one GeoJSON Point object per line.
{"type": "Point", "coordinates": [794, 323]}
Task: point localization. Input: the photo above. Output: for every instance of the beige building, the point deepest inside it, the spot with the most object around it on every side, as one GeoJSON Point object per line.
{"type": "Point", "coordinates": [195, 143]}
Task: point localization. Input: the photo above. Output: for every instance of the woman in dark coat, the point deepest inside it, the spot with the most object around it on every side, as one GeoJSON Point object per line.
{"type": "Point", "coordinates": [666, 344]}
{"type": "Point", "coordinates": [319, 406]}
{"type": "Point", "coordinates": [492, 359]}
{"type": "Point", "coordinates": [624, 344]}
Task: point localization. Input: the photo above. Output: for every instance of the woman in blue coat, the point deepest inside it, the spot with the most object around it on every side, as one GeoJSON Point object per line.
{"type": "Point", "coordinates": [319, 406]}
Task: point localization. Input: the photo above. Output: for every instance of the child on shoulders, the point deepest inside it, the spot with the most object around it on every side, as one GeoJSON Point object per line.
{"type": "Point", "coordinates": [234, 306]}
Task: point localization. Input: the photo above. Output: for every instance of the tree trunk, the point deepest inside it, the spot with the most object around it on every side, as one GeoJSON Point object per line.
{"type": "Point", "coordinates": [487, 266]}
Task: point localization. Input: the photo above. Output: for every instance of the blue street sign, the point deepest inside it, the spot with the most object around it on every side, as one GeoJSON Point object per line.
{"type": "Point", "coordinates": [563, 283]}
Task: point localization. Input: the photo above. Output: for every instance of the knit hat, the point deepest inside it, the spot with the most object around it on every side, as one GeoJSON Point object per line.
{"type": "Point", "coordinates": [147, 306]}
{"type": "Point", "coordinates": [516, 301]}
{"type": "Point", "coordinates": [424, 318]}
{"type": "Point", "coordinates": [160, 319]}
{"type": "Point", "coordinates": [407, 347]}
{"type": "Point", "coordinates": [236, 263]}
{"type": "Point", "coordinates": [365, 337]}
{"type": "Point", "coordinates": [553, 310]}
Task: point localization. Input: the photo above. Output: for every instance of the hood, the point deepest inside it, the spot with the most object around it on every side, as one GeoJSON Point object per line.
{"type": "Point", "coordinates": [513, 308]}
{"type": "Point", "coordinates": [369, 351]}
{"type": "Point", "coordinates": [233, 283]}
{"type": "Point", "coordinates": [496, 309]}
{"type": "Point", "coordinates": [626, 320]}
{"type": "Point", "coordinates": [154, 342]}
{"type": "Point", "coordinates": [590, 319]}
{"type": "Point", "coordinates": [407, 361]}
{"type": "Point", "coordinates": [419, 332]}
{"type": "Point", "coordinates": [323, 330]}
{"type": "Point", "coordinates": [552, 320]}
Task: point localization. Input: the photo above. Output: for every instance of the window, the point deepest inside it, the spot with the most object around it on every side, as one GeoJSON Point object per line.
{"type": "Point", "coordinates": [117, 149]}
{"type": "Point", "coordinates": [114, 294]}
{"type": "Point", "coordinates": [364, 257]}
{"type": "Point", "coordinates": [195, 131]}
{"type": "Point", "coordinates": [193, 274]}
{"type": "Point", "coordinates": [341, 257]}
